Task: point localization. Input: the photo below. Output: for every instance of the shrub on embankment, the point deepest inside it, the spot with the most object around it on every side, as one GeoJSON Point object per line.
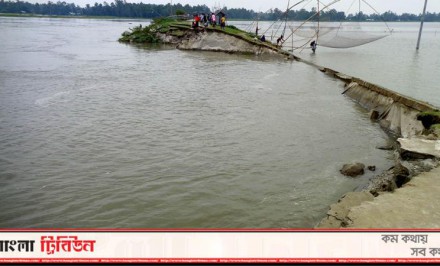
{"type": "Point", "coordinates": [149, 34]}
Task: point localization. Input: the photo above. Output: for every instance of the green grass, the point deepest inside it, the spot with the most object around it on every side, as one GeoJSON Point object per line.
{"type": "Point", "coordinates": [435, 129]}
{"type": "Point", "coordinates": [249, 37]}
{"type": "Point", "coordinates": [148, 34]}
{"type": "Point", "coordinates": [430, 113]}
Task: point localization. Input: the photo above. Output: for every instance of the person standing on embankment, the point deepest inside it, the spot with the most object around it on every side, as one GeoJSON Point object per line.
{"type": "Point", "coordinates": [223, 22]}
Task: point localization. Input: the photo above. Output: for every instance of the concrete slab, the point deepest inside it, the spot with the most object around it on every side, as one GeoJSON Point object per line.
{"type": "Point", "coordinates": [420, 146]}
{"type": "Point", "coordinates": [415, 205]}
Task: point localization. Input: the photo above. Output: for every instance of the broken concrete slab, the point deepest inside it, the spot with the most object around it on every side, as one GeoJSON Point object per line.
{"type": "Point", "coordinates": [337, 215]}
{"type": "Point", "coordinates": [419, 148]}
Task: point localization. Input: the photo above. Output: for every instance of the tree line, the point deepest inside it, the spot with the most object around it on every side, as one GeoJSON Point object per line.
{"type": "Point", "coordinates": [121, 8]}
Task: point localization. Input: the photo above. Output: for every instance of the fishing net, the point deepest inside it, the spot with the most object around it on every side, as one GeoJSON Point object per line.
{"type": "Point", "coordinates": [347, 39]}
{"type": "Point", "coordinates": [342, 36]}
{"type": "Point", "coordinates": [327, 34]}
{"type": "Point", "coordinates": [311, 32]}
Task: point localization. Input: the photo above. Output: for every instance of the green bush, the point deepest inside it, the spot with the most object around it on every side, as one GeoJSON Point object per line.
{"type": "Point", "coordinates": [140, 34]}
{"type": "Point", "coordinates": [180, 12]}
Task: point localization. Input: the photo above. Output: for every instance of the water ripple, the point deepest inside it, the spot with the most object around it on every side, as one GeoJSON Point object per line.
{"type": "Point", "coordinates": [101, 134]}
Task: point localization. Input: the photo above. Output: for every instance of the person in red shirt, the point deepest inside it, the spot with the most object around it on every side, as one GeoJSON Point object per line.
{"type": "Point", "coordinates": [196, 19]}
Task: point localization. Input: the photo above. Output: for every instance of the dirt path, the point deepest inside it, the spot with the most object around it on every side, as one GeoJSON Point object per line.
{"type": "Point", "coordinates": [415, 205]}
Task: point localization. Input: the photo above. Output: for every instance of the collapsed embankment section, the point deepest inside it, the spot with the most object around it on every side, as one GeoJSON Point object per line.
{"type": "Point", "coordinates": [395, 112]}
{"type": "Point", "coordinates": [417, 152]}
{"type": "Point", "coordinates": [218, 40]}
{"type": "Point", "coordinates": [215, 41]}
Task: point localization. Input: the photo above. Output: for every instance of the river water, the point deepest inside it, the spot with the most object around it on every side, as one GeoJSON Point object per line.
{"type": "Point", "coordinates": [99, 134]}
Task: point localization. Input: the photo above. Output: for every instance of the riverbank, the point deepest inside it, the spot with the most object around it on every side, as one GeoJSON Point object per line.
{"type": "Point", "coordinates": [398, 197]}
{"type": "Point", "coordinates": [416, 153]}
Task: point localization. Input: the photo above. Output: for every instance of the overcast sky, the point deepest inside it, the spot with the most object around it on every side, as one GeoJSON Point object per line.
{"type": "Point", "coordinates": [397, 6]}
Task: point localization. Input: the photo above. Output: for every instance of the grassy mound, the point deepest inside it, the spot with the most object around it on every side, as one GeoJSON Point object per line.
{"type": "Point", "coordinates": [179, 28]}
{"type": "Point", "coordinates": [140, 34]}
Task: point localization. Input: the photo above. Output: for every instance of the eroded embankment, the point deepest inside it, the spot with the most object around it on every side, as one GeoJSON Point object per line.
{"type": "Point", "coordinates": [415, 205]}
{"type": "Point", "coordinates": [217, 40]}
{"type": "Point", "coordinates": [416, 153]}
{"type": "Point", "coordinates": [185, 37]}
{"type": "Point", "coordinates": [415, 125]}
{"type": "Point", "coordinates": [397, 114]}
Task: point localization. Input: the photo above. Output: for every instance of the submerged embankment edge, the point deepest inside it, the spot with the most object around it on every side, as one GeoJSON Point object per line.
{"type": "Point", "coordinates": [397, 114]}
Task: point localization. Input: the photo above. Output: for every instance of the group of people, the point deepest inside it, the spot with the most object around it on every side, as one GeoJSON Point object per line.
{"type": "Point", "coordinates": [281, 40]}
{"type": "Point", "coordinates": [211, 19]}
{"type": "Point", "coordinates": [203, 20]}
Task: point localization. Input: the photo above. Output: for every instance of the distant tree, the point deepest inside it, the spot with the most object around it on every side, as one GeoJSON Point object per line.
{"type": "Point", "coordinates": [430, 17]}
{"type": "Point", "coordinates": [390, 16]}
{"type": "Point", "coordinates": [408, 17]}
{"type": "Point", "coordinates": [121, 8]}
{"type": "Point", "coordinates": [180, 12]}
{"type": "Point", "coordinates": [303, 14]}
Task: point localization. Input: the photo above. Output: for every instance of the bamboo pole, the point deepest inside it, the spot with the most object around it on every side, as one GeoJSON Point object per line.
{"type": "Point", "coordinates": [421, 25]}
